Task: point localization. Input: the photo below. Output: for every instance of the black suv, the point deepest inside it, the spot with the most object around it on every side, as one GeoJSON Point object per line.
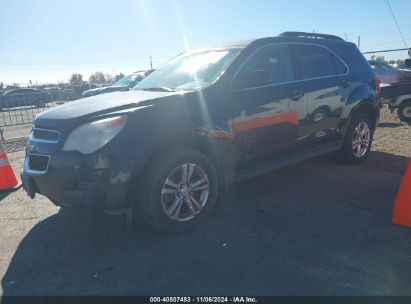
{"type": "Point", "coordinates": [208, 118]}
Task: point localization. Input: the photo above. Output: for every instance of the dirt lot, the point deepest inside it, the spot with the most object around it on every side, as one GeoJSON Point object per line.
{"type": "Point", "coordinates": [318, 227]}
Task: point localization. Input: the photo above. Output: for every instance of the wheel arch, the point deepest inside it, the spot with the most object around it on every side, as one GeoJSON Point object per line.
{"type": "Point", "coordinates": [404, 104]}
{"type": "Point", "coordinates": [183, 139]}
{"type": "Point", "coordinates": [368, 108]}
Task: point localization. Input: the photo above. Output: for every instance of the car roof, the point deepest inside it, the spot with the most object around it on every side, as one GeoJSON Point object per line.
{"type": "Point", "coordinates": [282, 39]}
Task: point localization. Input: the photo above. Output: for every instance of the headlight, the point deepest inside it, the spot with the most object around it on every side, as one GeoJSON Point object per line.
{"type": "Point", "coordinates": [90, 137]}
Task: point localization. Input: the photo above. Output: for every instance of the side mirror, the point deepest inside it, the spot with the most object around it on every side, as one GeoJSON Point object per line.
{"type": "Point", "coordinates": [253, 79]}
{"type": "Point", "coordinates": [408, 62]}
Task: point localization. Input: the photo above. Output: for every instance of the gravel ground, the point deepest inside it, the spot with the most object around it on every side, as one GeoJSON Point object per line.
{"type": "Point", "coordinates": [392, 135]}
{"type": "Point", "coordinates": [308, 229]}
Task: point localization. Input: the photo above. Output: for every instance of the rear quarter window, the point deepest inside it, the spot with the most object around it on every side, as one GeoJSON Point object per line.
{"type": "Point", "coordinates": [315, 61]}
{"type": "Point", "coordinates": [360, 69]}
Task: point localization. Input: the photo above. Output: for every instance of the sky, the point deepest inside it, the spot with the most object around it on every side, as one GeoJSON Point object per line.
{"type": "Point", "coordinates": [45, 41]}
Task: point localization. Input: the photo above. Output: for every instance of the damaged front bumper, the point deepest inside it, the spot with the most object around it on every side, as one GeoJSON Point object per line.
{"type": "Point", "coordinates": [70, 179]}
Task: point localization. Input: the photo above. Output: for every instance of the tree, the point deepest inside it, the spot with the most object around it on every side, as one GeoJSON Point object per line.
{"type": "Point", "coordinates": [97, 77]}
{"type": "Point", "coordinates": [119, 76]}
{"type": "Point", "coordinates": [400, 63]}
{"type": "Point", "coordinates": [12, 86]}
{"type": "Point", "coordinates": [380, 58]}
{"type": "Point", "coordinates": [109, 77]}
{"type": "Point", "coordinates": [76, 78]}
{"type": "Point", "coordinates": [92, 79]}
{"type": "Point", "coordinates": [1, 86]}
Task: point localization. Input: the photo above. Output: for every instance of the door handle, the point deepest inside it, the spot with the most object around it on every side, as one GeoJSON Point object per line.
{"type": "Point", "coordinates": [297, 95]}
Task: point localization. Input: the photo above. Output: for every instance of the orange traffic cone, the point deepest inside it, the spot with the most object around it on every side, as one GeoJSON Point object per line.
{"type": "Point", "coordinates": [7, 178]}
{"type": "Point", "coordinates": [402, 206]}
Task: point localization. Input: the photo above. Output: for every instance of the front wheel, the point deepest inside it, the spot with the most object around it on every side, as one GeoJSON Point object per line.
{"type": "Point", "coordinates": [358, 139]}
{"type": "Point", "coordinates": [179, 190]}
{"type": "Point", "coordinates": [404, 111]}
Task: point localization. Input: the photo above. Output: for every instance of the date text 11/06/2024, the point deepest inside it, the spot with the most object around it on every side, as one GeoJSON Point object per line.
{"type": "Point", "coordinates": [203, 300]}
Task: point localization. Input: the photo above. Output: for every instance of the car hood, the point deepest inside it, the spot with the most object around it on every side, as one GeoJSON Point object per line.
{"type": "Point", "coordinates": [83, 109]}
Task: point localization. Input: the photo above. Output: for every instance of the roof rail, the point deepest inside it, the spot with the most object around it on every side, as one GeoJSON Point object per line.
{"type": "Point", "coordinates": [310, 35]}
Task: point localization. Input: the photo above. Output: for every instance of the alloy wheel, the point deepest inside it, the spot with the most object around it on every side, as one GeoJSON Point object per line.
{"type": "Point", "coordinates": [185, 192]}
{"type": "Point", "coordinates": [361, 139]}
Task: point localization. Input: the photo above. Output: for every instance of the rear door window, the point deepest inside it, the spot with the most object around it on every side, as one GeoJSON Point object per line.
{"type": "Point", "coordinates": [314, 62]}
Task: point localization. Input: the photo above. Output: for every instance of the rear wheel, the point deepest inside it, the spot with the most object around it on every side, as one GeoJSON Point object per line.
{"type": "Point", "coordinates": [179, 190]}
{"type": "Point", "coordinates": [404, 111]}
{"type": "Point", "coordinates": [358, 139]}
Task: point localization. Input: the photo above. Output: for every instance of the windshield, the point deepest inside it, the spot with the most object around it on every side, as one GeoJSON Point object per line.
{"type": "Point", "coordinates": [189, 71]}
{"type": "Point", "coordinates": [128, 80]}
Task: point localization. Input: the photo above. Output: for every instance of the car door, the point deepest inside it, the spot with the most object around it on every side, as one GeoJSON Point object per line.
{"type": "Point", "coordinates": [326, 85]}
{"type": "Point", "coordinates": [15, 98]}
{"type": "Point", "coordinates": [30, 97]}
{"type": "Point", "coordinates": [267, 121]}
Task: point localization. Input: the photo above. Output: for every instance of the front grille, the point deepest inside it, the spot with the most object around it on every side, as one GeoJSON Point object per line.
{"type": "Point", "coordinates": [38, 162]}
{"type": "Point", "coordinates": [45, 135]}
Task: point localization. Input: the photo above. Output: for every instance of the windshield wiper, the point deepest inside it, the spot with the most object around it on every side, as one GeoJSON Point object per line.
{"type": "Point", "coordinates": [160, 89]}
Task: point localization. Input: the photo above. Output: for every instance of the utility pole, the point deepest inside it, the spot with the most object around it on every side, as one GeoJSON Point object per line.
{"type": "Point", "coordinates": [359, 42]}
{"type": "Point", "coordinates": [151, 62]}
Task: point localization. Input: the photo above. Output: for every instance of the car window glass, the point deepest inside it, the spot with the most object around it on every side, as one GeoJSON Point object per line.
{"type": "Point", "coordinates": [276, 59]}
{"type": "Point", "coordinates": [340, 67]}
{"type": "Point", "coordinates": [314, 61]}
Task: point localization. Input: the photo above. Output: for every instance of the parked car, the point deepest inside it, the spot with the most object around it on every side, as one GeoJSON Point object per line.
{"type": "Point", "coordinates": [388, 73]}
{"type": "Point", "coordinates": [398, 96]}
{"type": "Point", "coordinates": [24, 97]}
{"type": "Point", "coordinates": [54, 92]}
{"type": "Point", "coordinates": [124, 84]}
{"type": "Point", "coordinates": [164, 151]}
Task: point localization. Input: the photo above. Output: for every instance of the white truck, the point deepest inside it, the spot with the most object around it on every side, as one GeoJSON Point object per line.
{"type": "Point", "coordinates": [398, 96]}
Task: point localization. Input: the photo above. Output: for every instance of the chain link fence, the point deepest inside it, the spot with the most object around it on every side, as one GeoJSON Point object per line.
{"type": "Point", "coordinates": [20, 106]}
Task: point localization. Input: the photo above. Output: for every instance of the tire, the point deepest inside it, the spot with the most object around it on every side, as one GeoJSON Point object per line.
{"type": "Point", "coordinates": [170, 213]}
{"type": "Point", "coordinates": [404, 111]}
{"type": "Point", "coordinates": [356, 147]}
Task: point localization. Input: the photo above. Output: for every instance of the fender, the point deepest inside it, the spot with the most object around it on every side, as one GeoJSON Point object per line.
{"type": "Point", "coordinates": [362, 92]}
{"type": "Point", "coordinates": [361, 97]}
{"type": "Point", "coordinates": [189, 129]}
{"type": "Point", "coordinates": [399, 100]}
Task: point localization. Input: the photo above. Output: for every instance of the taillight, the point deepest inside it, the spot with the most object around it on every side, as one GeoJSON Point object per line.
{"type": "Point", "coordinates": [377, 82]}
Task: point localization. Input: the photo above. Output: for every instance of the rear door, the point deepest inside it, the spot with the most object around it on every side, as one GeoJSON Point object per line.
{"type": "Point", "coordinates": [326, 85]}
